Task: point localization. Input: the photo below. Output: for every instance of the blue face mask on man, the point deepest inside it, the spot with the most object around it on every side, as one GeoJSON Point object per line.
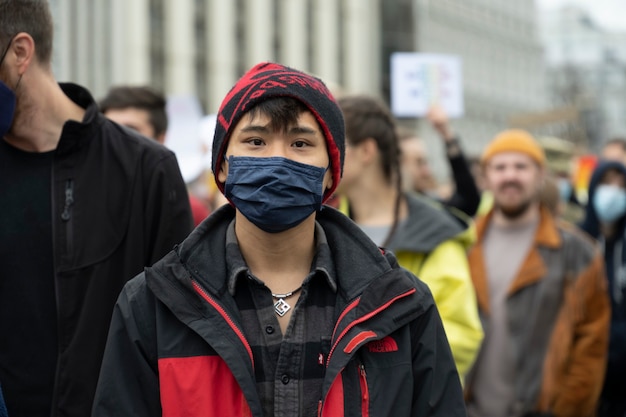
{"type": "Point", "coordinates": [7, 101]}
{"type": "Point", "coordinates": [609, 201]}
{"type": "Point", "coordinates": [274, 193]}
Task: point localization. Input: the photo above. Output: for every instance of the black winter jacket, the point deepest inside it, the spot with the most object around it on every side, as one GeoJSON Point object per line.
{"type": "Point", "coordinates": [176, 346]}
{"type": "Point", "coordinates": [119, 203]}
{"type": "Point", "coordinates": [615, 264]}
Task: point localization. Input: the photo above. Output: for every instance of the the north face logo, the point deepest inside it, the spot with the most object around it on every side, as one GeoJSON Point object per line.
{"type": "Point", "coordinates": [386, 344]}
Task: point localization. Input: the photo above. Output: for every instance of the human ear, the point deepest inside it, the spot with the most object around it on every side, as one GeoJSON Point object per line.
{"type": "Point", "coordinates": [223, 172]}
{"type": "Point", "coordinates": [161, 138]}
{"type": "Point", "coordinates": [23, 48]}
{"type": "Point", "coordinates": [369, 149]}
{"type": "Point", "coordinates": [328, 179]}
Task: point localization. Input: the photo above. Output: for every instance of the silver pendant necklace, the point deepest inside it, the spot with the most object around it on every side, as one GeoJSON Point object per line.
{"type": "Point", "coordinates": [281, 307]}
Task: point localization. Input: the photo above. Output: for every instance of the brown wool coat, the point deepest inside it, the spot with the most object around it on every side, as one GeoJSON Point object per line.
{"type": "Point", "coordinates": [559, 314]}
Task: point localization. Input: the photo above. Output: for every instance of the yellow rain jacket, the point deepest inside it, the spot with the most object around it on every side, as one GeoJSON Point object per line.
{"type": "Point", "coordinates": [432, 243]}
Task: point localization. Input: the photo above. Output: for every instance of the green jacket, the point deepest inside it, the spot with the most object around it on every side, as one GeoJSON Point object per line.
{"type": "Point", "coordinates": [432, 243]}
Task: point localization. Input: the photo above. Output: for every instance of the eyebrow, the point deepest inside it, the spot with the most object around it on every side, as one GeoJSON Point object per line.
{"type": "Point", "coordinates": [302, 130]}
{"type": "Point", "coordinates": [256, 128]}
{"type": "Point", "coordinates": [265, 129]}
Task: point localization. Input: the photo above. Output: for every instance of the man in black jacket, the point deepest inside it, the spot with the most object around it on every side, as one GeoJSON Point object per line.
{"type": "Point", "coordinates": [86, 204]}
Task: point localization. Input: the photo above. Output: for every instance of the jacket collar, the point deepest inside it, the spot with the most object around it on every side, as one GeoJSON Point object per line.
{"type": "Point", "coordinates": [356, 265]}
{"type": "Point", "coordinates": [75, 132]}
{"type": "Point", "coordinates": [427, 225]}
{"type": "Point", "coordinates": [547, 233]}
{"type": "Point", "coordinates": [238, 269]}
{"type": "Point", "coordinates": [532, 269]}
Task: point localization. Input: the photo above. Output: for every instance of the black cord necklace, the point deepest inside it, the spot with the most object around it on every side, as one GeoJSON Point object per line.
{"type": "Point", "coordinates": [281, 307]}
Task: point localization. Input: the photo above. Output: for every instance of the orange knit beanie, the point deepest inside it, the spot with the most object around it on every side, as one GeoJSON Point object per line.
{"type": "Point", "coordinates": [514, 140]}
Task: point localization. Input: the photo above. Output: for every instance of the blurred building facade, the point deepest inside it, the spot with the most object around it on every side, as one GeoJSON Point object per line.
{"type": "Point", "coordinates": [202, 46]}
{"type": "Point", "coordinates": [587, 71]}
{"type": "Point", "coordinates": [503, 68]}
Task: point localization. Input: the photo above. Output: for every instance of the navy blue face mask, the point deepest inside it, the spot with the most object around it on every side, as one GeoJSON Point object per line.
{"type": "Point", "coordinates": [275, 193]}
{"type": "Point", "coordinates": [7, 108]}
{"type": "Point", "coordinates": [7, 101]}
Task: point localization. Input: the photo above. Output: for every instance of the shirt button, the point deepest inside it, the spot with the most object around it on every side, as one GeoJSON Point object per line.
{"type": "Point", "coordinates": [285, 379]}
{"type": "Point", "coordinates": [269, 329]}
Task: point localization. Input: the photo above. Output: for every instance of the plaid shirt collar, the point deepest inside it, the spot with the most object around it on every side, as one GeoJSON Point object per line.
{"type": "Point", "coordinates": [237, 268]}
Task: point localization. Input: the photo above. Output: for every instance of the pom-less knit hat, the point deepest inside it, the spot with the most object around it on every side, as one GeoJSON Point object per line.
{"type": "Point", "coordinates": [267, 81]}
{"type": "Point", "coordinates": [515, 140]}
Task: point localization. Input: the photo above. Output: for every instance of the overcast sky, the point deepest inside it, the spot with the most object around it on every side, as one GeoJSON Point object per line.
{"type": "Point", "coordinates": [610, 14]}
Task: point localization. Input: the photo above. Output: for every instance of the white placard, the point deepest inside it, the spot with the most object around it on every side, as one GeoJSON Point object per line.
{"type": "Point", "coordinates": [184, 114]}
{"type": "Point", "coordinates": [420, 80]}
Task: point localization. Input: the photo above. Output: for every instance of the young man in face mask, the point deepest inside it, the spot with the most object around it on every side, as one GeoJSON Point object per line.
{"type": "Point", "coordinates": [605, 219]}
{"type": "Point", "coordinates": [86, 205]}
{"type": "Point", "coordinates": [276, 305]}
{"type": "Point", "coordinates": [541, 292]}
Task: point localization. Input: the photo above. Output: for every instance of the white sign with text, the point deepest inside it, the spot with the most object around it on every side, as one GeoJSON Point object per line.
{"type": "Point", "coordinates": [421, 80]}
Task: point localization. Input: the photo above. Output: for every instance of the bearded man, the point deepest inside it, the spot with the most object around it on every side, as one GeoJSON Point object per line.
{"type": "Point", "coordinates": [541, 293]}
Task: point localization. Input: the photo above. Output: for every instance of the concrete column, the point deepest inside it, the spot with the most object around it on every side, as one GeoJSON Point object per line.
{"type": "Point", "coordinates": [118, 37]}
{"type": "Point", "coordinates": [222, 54]}
{"type": "Point", "coordinates": [138, 41]}
{"type": "Point", "coordinates": [180, 47]}
{"type": "Point", "coordinates": [61, 60]}
{"type": "Point", "coordinates": [375, 45]}
{"type": "Point", "coordinates": [100, 44]}
{"type": "Point", "coordinates": [259, 31]}
{"type": "Point", "coordinates": [294, 34]}
{"type": "Point", "coordinates": [360, 43]}
{"type": "Point", "coordinates": [327, 43]}
{"type": "Point", "coordinates": [83, 49]}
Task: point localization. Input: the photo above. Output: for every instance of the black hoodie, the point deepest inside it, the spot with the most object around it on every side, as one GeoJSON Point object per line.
{"type": "Point", "coordinates": [614, 251]}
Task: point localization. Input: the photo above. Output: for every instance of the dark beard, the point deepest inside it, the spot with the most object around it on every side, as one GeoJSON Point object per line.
{"type": "Point", "coordinates": [515, 212]}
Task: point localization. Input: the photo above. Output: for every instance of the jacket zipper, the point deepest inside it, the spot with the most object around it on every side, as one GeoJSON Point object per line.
{"type": "Point", "coordinates": [362, 375]}
{"type": "Point", "coordinates": [205, 295]}
{"type": "Point", "coordinates": [362, 319]}
{"type": "Point", "coordinates": [365, 395]}
{"type": "Point", "coordinates": [57, 296]}
{"type": "Point", "coordinates": [66, 215]}
{"type": "Point", "coordinates": [350, 306]}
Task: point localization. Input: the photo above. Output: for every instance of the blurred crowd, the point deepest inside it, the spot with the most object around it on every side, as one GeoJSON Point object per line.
{"type": "Point", "coordinates": [441, 232]}
{"type": "Point", "coordinates": [523, 249]}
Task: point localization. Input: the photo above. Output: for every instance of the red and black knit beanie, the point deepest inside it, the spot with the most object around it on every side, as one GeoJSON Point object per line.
{"type": "Point", "coordinates": [269, 80]}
